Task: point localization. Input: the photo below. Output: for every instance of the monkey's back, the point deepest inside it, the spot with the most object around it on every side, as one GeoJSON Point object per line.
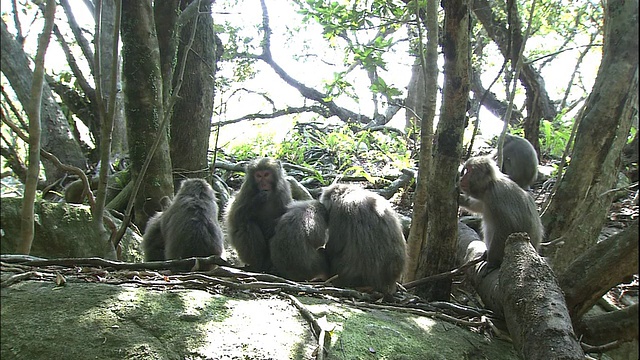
{"type": "Point", "coordinates": [520, 161]}
{"type": "Point", "coordinates": [299, 235]}
{"type": "Point", "coordinates": [190, 224]}
{"type": "Point", "coordinates": [152, 240]}
{"type": "Point", "coordinates": [366, 246]}
{"type": "Point", "coordinates": [510, 209]}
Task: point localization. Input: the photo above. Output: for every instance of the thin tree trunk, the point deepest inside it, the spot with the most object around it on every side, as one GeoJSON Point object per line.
{"type": "Point", "coordinates": [442, 210]}
{"type": "Point", "coordinates": [33, 111]}
{"type": "Point", "coordinates": [428, 75]}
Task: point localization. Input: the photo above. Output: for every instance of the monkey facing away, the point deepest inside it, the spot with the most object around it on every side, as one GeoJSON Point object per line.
{"type": "Point", "coordinates": [366, 247]}
{"type": "Point", "coordinates": [505, 207]}
{"type": "Point", "coordinates": [519, 161]}
{"type": "Point", "coordinates": [188, 226]}
{"type": "Point", "coordinates": [253, 213]}
{"type": "Point", "coordinates": [297, 248]}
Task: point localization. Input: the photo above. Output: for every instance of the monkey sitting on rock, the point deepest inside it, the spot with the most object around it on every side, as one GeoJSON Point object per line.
{"type": "Point", "coordinates": [297, 248]}
{"type": "Point", "coordinates": [188, 227]}
{"type": "Point", "coordinates": [365, 247]}
{"type": "Point", "coordinates": [253, 213]}
{"type": "Point", "coordinates": [505, 207]}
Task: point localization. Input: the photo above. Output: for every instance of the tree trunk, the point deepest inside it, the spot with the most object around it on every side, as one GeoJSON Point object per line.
{"type": "Point", "coordinates": [534, 308]}
{"type": "Point", "coordinates": [579, 208]}
{"type": "Point", "coordinates": [144, 108]}
{"type": "Point", "coordinates": [119, 134]}
{"type": "Point", "coordinates": [619, 325]}
{"type": "Point", "coordinates": [605, 265]}
{"type": "Point", "coordinates": [524, 292]}
{"type": "Point", "coordinates": [442, 199]}
{"type": "Point", "coordinates": [538, 103]}
{"type": "Point", "coordinates": [425, 91]}
{"type": "Point", "coordinates": [416, 94]}
{"type": "Point", "coordinates": [191, 118]}
{"type": "Point", "coordinates": [56, 136]}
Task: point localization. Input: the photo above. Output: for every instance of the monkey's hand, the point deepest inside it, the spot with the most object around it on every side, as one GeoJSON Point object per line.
{"type": "Point", "coordinates": [463, 200]}
{"type": "Point", "coordinates": [470, 203]}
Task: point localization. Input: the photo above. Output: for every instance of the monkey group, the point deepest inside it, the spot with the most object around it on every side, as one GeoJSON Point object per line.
{"type": "Point", "coordinates": [350, 235]}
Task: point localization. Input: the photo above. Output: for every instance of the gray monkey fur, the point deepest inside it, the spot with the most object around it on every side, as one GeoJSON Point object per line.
{"type": "Point", "coordinates": [297, 248]}
{"type": "Point", "coordinates": [252, 214]}
{"type": "Point", "coordinates": [366, 247]}
{"type": "Point", "coordinates": [519, 161]}
{"type": "Point", "coordinates": [188, 227]}
{"type": "Point", "coordinates": [505, 207]}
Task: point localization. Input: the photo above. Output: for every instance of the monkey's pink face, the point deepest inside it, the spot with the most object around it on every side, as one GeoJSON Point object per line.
{"type": "Point", "coordinates": [264, 179]}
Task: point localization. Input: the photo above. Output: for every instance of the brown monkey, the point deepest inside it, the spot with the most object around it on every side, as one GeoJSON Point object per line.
{"type": "Point", "coordinates": [188, 227]}
{"type": "Point", "coordinates": [253, 213]}
{"type": "Point", "coordinates": [366, 247]}
{"type": "Point", "coordinates": [520, 161]}
{"type": "Point", "coordinates": [505, 207]}
{"type": "Point", "coordinates": [297, 248]}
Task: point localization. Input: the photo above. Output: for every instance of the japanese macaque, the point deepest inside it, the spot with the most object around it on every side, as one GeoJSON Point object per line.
{"type": "Point", "coordinates": [297, 248]}
{"type": "Point", "coordinates": [519, 161]}
{"type": "Point", "coordinates": [188, 226]}
{"type": "Point", "coordinates": [505, 207]}
{"type": "Point", "coordinates": [253, 213]}
{"type": "Point", "coordinates": [366, 247]}
{"type": "Point", "coordinates": [74, 192]}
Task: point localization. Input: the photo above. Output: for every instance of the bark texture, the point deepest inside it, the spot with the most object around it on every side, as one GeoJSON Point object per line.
{"type": "Point", "coordinates": [534, 307]}
{"type": "Point", "coordinates": [579, 208]}
{"type": "Point", "coordinates": [422, 98]}
{"type": "Point", "coordinates": [607, 264]}
{"type": "Point", "coordinates": [191, 119]}
{"type": "Point", "coordinates": [442, 211]}
{"type": "Point", "coordinates": [144, 108]}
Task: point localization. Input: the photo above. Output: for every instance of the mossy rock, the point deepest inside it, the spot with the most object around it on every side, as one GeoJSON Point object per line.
{"type": "Point", "coordinates": [62, 230]}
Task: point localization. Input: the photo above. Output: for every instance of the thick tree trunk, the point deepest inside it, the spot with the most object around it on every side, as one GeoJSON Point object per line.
{"type": "Point", "coordinates": [144, 108]}
{"type": "Point", "coordinates": [439, 254]}
{"type": "Point", "coordinates": [579, 208]}
{"type": "Point", "coordinates": [191, 119]}
{"type": "Point", "coordinates": [56, 136]}
{"type": "Point", "coordinates": [534, 307]}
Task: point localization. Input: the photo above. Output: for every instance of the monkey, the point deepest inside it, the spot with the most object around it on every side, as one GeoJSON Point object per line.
{"type": "Point", "coordinates": [188, 226]}
{"type": "Point", "coordinates": [506, 208]}
{"type": "Point", "coordinates": [297, 248]}
{"type": "Point", "coordinates": [519, 161]}
{"type": "Point", "coordinates": [252, 214]}
{"type": "Point", "coordinates": [74, 192]}
{"type": "Point", "coordinates": [366, 247]}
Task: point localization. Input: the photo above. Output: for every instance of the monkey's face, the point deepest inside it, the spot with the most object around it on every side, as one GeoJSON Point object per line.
{"type": "Point", "coordinates": [464, 179]}
{"type": "Point", "coordinates": [264, 180]}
